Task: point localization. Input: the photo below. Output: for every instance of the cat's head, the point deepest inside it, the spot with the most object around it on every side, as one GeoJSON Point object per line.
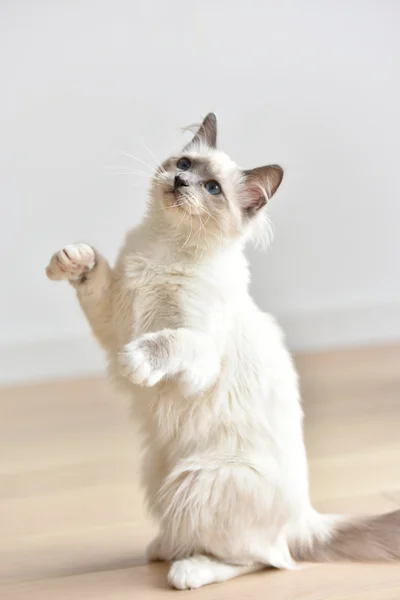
{"type": "Point", "coordinates": [202, 191]}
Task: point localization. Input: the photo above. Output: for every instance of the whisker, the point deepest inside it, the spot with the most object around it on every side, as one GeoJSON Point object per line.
{"type": "Point", "coordinates": [190, 233]}
{"type": "Point", "coordinates": [183, 216]}
{"type": "Point", "coordinates": [125, 167]}
{"type": "Point", "coordinates": [138, 173]}
{"type": "Point", "coordinates": [136, 158]}
{"type": "Point", "coordinates": [205, 239]}
{"type": "Point", "coordinates": [210, 216]}
{"type": "Point", "coordinates": [158, 162]}
{"type": "Point", "coordinates": [174, 206]}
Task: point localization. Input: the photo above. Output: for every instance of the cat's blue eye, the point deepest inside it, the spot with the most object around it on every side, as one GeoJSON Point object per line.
{"type": "Point", "coordinates": [184, 164]}
{"type": "Point", "coordinates": [213, 187]}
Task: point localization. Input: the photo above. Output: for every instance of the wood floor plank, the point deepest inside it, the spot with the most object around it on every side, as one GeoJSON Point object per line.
{"type": "Point", "coordinates": [72, 519]}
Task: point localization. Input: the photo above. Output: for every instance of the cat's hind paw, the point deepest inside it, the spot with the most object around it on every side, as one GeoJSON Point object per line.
{"type": "Point", "coordinates": [71, 262]}
{"type": "Point", "coordinates": [159, 550]}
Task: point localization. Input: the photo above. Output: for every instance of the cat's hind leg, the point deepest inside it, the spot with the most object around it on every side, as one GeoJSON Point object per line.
{"type": "Point", "coordinates": [157, 551]}
{"type": "Point", "coordinates": [199, 570]}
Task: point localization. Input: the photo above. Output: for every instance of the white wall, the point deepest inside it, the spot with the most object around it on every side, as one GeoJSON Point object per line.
{"type": "Point", "coordinates": [311, 85]}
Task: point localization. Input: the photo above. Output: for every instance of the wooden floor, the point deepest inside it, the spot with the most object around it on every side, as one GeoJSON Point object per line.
{"type": "Point", "coordinates": [72, 521]}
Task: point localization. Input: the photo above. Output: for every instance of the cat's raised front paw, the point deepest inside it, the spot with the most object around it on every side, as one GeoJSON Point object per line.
{"type": "Point", "coordinates": [145, 361]}
{"type": "Point", "coordinates": [71, 262]}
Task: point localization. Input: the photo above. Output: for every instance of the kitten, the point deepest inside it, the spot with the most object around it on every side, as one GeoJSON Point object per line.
{"type": "Point", "coordinates": [213, 385]}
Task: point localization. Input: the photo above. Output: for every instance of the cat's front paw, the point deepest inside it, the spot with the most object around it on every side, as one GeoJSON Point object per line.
{"type": "Point", "coordinates": [71, 262]}
{"type": "Point", "coordinates": [145, 360]}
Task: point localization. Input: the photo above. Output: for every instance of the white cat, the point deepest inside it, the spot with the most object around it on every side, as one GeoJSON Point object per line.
{"type": "Point", "coordinates": [213, 385]}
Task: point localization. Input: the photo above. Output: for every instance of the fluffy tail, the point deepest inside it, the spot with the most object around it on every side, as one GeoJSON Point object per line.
{"type": "Point", "coordinates": [361, 539]}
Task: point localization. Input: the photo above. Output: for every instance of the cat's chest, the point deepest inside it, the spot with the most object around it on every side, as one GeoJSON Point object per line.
{"type": "Point", "coordinates": [171, 296]}
{"type": "Point", "coordinates": [156, 306]}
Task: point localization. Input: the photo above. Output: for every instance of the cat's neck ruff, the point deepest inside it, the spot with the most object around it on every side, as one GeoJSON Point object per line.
{"type": "Point", "coordinates": [160, 242]}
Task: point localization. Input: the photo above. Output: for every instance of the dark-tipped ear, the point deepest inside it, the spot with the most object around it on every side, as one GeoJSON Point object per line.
{"type": "Point", "coordinates": [260, 184]}
{"type": "Point", "coordinates": [206, 134]}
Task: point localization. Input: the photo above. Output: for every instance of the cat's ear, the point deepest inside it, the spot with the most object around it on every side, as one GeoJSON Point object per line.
{"type": "Point", "coordinates": [260, 184]}
{"type": "Point", "coordinates": [206, 134]}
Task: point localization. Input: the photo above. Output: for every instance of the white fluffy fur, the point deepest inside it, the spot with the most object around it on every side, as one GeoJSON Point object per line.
{"type": "Point", "coordinates": [213, 385]}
